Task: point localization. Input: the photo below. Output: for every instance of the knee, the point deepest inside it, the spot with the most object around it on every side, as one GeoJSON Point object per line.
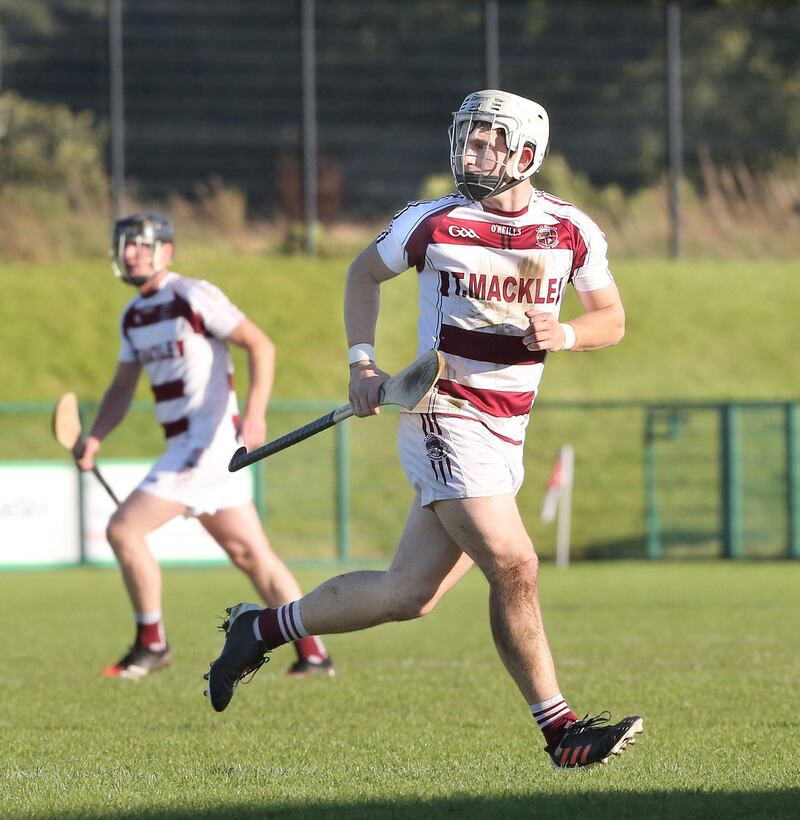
{"type": "Point", "coordinates": [118, 532]}
{"type": "Point", "coordinates": [242, 557]}
{"type": "Point", "coordinates": [520, 573]}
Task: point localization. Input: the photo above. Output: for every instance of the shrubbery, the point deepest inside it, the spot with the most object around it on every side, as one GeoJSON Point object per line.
{"type": "Point", "coordinates": [54, 190]}
{"type": "Point", "coordinates": [727, 212]}
{"type": "Point", "coordinates": [50, 147]}
{"type": "Point", "coordinates": [55, 204]}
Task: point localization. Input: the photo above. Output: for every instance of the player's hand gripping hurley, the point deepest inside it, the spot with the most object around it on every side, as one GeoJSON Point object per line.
{"type": "Point", "coordinates": [406, 389]}
{"type": "Point", "coordinates": [67, 432]}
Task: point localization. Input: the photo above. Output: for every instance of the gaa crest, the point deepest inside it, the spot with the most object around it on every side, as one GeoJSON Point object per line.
{"type": "Point", "coordinates": [546, 236]}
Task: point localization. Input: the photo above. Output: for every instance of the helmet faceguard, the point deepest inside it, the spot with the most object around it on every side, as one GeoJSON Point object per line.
{"type": "Point", "coordinates": [149, 229]}
{"type": "Point", "coordinates": [522, 121]}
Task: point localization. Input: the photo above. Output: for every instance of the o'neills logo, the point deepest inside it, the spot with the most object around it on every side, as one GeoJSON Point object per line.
{"type": "Point", "coordinates": [546, 236]}
{"type": "Point", "coordinates": [507, 230]}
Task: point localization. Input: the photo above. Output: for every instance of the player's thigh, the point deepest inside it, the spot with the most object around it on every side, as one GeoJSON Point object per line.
{"type": "Point", "coordinates": [489, 529]}
{"type": "Point", "coordinates": [143, 512]}
{"type": "Point", "coordinates": [237, 529]}
{"type": "Point", "coordinates": [427, 562]}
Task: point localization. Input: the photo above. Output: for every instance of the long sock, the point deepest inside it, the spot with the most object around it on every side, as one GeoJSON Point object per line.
{"type": "Point", "coordinates": [552, 716]}
{"type": "Point", "coordinates": [150, 631]}
{"type": "Point", "coordinates": [276, 627]}
{"type": "Point", "coordinates": [311, 649]}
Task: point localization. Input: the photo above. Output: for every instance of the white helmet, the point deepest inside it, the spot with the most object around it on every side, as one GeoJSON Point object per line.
{"type": "Point", "coordinates": [523, 121]}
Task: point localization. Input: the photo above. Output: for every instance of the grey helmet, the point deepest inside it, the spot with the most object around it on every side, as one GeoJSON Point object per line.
{"type": "Point", "coordinates": [523, 121]}
{"type": "Point", "coordinates": [141, 229]}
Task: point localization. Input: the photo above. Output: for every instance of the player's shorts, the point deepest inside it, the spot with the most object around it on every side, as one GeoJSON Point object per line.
{"type": "Point", "coordinates": [198, 478]}
{"type": "Point", "coordinates": [446, 457]}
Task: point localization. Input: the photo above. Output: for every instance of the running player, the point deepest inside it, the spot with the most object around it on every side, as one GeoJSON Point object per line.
{"type": "Point", "coordinates": [493, 263]}
{"type": "Point", "coordinates": [178, 330]}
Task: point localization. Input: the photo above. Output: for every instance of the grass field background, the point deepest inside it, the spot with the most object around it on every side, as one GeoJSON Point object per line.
{"type": "Point", "coordinates": [695, 328]}
{"type": "Point", "coordinates": [421, 720]}
{"type": "Point", "coordinates": [698, 329]}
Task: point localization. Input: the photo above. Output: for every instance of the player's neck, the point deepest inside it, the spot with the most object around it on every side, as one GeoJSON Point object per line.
{"type": "Point", "coordinates": [511, 201]}
{"type": "Point", "coordinates": [154, 283]}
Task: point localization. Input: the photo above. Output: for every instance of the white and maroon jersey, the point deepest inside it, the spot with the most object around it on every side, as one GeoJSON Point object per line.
{"type": "Point", "coordinates": [178, 335]}
{"type": "Point", "coordinates": [479, 271]}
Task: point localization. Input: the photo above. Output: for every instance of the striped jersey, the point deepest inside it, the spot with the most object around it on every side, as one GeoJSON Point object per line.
{"type": "Point", "coordinates": [479, 271]}
{"type": "Point", "coordinates": [177, 334]}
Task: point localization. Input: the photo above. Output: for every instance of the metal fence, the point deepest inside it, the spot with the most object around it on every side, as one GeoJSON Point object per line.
{"type": "Point", "coordinates": [328, 110]}
{"type": "Point", "coordinates": [671, 480]}
{"type": "Point", "coordinates": [722, 479]}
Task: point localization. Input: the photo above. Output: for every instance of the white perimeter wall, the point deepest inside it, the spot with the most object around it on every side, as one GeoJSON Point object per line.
{"type": "Point", "coordinates": [40, 516]}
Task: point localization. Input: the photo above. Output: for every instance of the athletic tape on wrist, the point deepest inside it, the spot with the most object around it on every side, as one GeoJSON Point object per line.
{"type": "Point", "coordinates": [569, 336]}
{"type": "Point", "coordinates": [362, 352]}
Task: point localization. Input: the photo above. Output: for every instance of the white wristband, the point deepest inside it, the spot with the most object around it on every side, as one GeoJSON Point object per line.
{"type": "Point", "coordinates": [569, 335]}
{"type": "Point", "coordinates": [361, 352]}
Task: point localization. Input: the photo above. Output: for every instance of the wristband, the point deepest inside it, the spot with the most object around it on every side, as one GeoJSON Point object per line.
{"type": "Point", "coordinates": [361, 352]}
{"type": "Point", "coordinates": [569, 334]}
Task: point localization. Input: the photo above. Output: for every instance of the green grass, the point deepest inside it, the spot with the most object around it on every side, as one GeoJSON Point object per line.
{"type": "Point", "coordinates": [421, 721]}
{"type": "Point", "coordinates": [696, 329]}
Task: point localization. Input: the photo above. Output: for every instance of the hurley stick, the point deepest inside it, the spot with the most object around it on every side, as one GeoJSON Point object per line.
{"type": "Point", "coordinates": [406, 389]}
{"type": "Point", "coordinates": [67, 432]}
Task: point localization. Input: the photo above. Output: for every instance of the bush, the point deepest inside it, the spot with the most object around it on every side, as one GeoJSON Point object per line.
{"type": "Point", "coordinates": [732, 213]}
{"type": "Point", "coordinates": [50, 147]}
{"type": "Point", "coordinates": [555, 177]}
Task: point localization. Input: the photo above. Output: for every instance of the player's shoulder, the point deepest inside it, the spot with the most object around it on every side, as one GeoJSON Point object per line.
{"type": "Point", "coordinates": [180, 283]}
{"type": "Point", "coordinates": [561, 208]}
{"type": "Point", "coordinates": [130, 307]}
{"type": "Point", "coordinates": [452, 200]}
{"type": "Point", "coordinates": [408, 218]}
{"type": "Point", "coordinates": [188, 287]}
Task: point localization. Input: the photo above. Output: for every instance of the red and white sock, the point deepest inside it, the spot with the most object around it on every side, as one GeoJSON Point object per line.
{"type": "Point", "coordinates": [150, 631]}
{"type": "Point", "coordinates": [310, 649]}
{"type": "Point", "coordinates": [552, 716]}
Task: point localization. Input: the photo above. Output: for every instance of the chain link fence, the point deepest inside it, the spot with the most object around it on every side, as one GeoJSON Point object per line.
{"type": "Point", "coordinates": [664, 481]}
{"type": "Point", "coordinates": [361, 91]}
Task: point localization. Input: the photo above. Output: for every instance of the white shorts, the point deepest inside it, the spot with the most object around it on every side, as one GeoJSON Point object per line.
{"type": "Point", "coordinates": [198, 478]}
{"type": "Point", "coordinates": [446, 457]}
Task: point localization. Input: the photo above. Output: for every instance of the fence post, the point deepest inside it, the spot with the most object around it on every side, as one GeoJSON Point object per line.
{"type": "Point", "coordinates": [491, 24]}
{"type": "Point", "coordinates": [309, 127]}
{"type": "Point", "coordinates": [81, 499]}
{"type": "Point", "coordinates": [793, 478]}
{"type": "Point", "coordinates": [674, 124]}
{"type": "Point", "coordinates": [342, 494]}
{"type": "Point", "coordinates": [117, 104]}
{"type": "Point", "coordinates": [654, 546]}
{"type": "Point", "coordinates": [731, 481]}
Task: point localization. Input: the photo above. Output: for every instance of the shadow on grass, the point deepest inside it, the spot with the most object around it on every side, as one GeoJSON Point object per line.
{"type": "Point", "coordinates": [635, 547]}
{"type": "Point", "coordinates": [667, 805]}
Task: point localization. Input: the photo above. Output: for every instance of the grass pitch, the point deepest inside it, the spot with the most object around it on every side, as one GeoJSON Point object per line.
{"type": "Point", "coordinates": [421, 721]}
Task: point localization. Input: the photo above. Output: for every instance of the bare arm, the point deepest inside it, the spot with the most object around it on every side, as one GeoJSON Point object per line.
{"type": "Point", "coordinates": [261, 371]}
{"type": "Point", "coordinates": [361, 306]}
{"type": "Point", "coordinates": [113, 407]}
{"type": "Point", "coordinates": [362, 295]}
{"type": "Point", "coordinates": [602, 323]}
